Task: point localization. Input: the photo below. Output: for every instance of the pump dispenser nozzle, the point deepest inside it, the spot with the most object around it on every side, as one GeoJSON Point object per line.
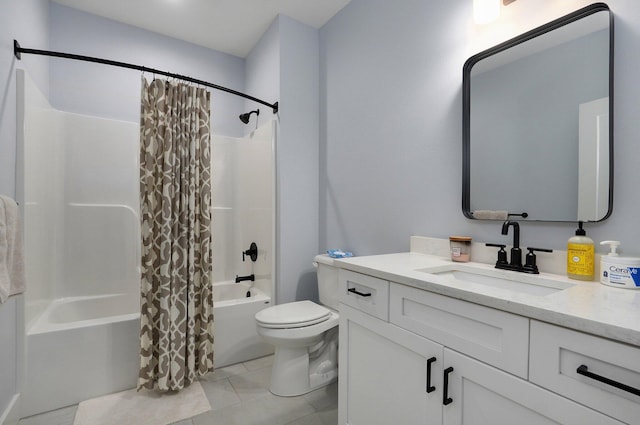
{"type": "Point", "coordinates": [613, 246]}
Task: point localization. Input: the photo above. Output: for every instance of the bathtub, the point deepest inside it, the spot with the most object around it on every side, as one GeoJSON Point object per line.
{"type": "Point", "coordinates": [84, 347]}
{"type": "Point", "coordinates": [235, 336]}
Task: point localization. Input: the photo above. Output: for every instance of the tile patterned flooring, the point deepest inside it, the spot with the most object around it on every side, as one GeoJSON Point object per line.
{"type": "Point", "coordinates": [239, 395]}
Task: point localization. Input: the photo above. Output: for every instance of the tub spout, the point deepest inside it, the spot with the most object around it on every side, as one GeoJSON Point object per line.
{"type": "Point", "coordinates": [251, 277]}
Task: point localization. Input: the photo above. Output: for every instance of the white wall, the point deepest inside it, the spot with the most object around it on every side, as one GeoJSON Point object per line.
{"type": "Point", "coordinates": [26, 21]}
{"type": "Point", "coordinates": [110, 92]}
{"type": "Point", "coordinates": [391, 119]}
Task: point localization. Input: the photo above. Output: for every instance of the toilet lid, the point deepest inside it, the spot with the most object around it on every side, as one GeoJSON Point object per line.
{"type": "Point", "coordinates": [293, 315]}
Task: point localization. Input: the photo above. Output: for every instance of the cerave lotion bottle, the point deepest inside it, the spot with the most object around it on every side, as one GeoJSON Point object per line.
{"type": "Point", "coordinates": [620, 272]}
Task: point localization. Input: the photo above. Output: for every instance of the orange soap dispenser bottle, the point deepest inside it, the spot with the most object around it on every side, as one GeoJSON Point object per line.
{"type": "Point", "coordinates": [580, 255]}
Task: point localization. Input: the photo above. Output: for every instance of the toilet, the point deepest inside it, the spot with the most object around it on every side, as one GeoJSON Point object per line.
{"type": "Point", "coordinates": [305, 336]}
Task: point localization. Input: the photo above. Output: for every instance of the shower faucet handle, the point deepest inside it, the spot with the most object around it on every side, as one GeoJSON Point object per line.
{"type": "Point", "coordinates": [252, 252]}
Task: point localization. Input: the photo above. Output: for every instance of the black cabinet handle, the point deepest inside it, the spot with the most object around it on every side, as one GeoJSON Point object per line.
{"type": "Point", "coordinates": [584, 370]}
{"type": "Point", "coordinates": [430, 388]}
{"type": "Point", "coordinates": [445, 393]}
{"type": "Point", "coordinates": [355, 291]}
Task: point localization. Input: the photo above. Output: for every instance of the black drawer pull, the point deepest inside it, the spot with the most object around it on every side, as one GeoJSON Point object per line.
{"type": "Point", "coordinates": [584, 370]}
{"type": "Point", "coordinates": [355, 291]}
{"type": "Point", "coordinates": [445, 393]}
{"type": "Point", "coordinates": [430, 388]}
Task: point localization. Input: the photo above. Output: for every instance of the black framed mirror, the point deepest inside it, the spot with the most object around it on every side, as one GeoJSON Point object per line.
{"type": "Point", "coordinates": [538, 122]}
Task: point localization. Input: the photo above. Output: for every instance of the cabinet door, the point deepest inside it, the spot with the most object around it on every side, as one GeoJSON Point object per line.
{"type": "Point", "coordinates": [483, 395]}
{"type": "Point", "coordinates": [384, 372]}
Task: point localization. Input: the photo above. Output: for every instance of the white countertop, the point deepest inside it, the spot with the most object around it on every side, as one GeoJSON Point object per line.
{"type": "Point", "coordinates": [590, 307]}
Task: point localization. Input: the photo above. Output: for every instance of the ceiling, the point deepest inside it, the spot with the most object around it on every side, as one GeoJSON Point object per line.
{"type": "Point", "coordinates": [230, 26]}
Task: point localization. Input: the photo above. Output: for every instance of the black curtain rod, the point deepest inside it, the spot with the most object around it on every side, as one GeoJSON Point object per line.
{"type": "Point", "coordinates": [18, 50]}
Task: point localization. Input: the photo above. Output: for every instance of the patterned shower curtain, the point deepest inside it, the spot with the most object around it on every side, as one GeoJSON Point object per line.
{"type": "Point", "coordinates": [176, 334]}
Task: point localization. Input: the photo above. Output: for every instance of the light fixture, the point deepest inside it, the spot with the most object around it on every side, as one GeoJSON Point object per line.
{"type": "Point", "coordinates": [485, 11]}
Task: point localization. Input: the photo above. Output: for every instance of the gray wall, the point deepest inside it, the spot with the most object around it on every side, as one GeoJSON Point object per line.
{"type": "Point", "coordinates": [111, 92]}
{"type": "Point", "coordinates": [26, 21]}
{"type": "Point", "coordinates": [298, 171]}
{"type": "Point", "coordinates": [284, 66]}
{"type": "Point", "coordinates": [390, 119]}
{"type": "Point", "coordinates": [391, 128]}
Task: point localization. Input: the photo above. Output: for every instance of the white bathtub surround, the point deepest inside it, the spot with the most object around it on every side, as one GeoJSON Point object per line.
{"type": "Point", "coordinates": [82, 305]}
{"type": "Point", "coordinates": [76, 179]}
{"type": "Point", "coordinates": [176, 317]}
{"type": "Point", "coordinates": [73, 335]}
{"type": "Point", "coordinates": [74, 354]}
{"type": "Point", "coordinates": [236, 337]}
{"type": "Point", "coordinates": [143, 407]}
{"type": "Point", "coordinates": [12, 280]}
{"type": "Point", "coordinates": [243, 180]}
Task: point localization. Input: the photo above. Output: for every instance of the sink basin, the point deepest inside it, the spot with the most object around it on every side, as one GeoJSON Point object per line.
{"type": "Point", "coordinates": [509, 280]}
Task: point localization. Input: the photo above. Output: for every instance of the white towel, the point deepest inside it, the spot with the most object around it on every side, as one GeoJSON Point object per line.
{"type": "Point", "coordinates": [12, 280]}
{"type": "Point", "coordinates": [490, 215]}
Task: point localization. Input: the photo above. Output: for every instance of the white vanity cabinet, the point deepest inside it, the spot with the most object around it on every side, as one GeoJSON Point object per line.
{"type": "Point", "coordinates": [386, 373]}
{"type": "Point", "coordinates": [483, 395]}
{"type": "Point", "coordinates": [423, 358]}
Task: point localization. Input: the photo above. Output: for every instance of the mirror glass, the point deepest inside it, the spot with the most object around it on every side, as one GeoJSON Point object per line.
{"type": "Point", "coordinates": [537, 133]}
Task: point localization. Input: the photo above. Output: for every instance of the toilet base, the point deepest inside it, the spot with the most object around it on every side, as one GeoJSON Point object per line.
{"type": "Point", "coordinates": [297, 371]}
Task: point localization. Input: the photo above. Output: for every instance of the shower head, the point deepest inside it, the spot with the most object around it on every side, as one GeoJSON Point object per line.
{"type": "Point", "coordinates": [245, 117]}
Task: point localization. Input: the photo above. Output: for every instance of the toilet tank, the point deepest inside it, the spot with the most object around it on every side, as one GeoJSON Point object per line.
{"type": "Point", "coordinates": [327, 281]}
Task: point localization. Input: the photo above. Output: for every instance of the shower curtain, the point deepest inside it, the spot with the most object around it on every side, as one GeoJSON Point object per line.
{"type": "Point", "coordinates": [176, 333]}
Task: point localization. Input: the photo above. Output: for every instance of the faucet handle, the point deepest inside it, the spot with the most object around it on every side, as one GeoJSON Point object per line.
{"type": "Point", "coordinates": [252, 252]}
{"type": "Point", "coordinates": [532, 249]}
{"type": "Point", "coordinates": [530, 265]}
{"type": "Point", "coordinates": [502, 254]}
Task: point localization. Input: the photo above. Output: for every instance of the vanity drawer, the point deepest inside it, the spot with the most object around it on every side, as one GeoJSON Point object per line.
{"type": "Point", "coordinates": [495, 337]}
{"type": "Point", "coordinates": [365, 293]}
{"type": "Point", "coordinates": [556, 355]}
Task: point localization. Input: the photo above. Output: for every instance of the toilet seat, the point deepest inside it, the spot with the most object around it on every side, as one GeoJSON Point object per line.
{"type": "Point", "coordinates": [297, 314]}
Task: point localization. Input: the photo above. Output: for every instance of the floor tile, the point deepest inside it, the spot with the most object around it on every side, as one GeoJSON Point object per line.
{"type": "Point", "coordinates": [239, 395]}
{"type": "Point", "coordinates": [323, 397]}
{"type": "Point", "coordinates": [259, 363]}
{"type": "Point", "coordinates": [328, 415]}
{"type": "Point", "coordinates": [266, 410]}
{"type": "Point", "coordinates": [220, 393]}
{"type": "Point", "coordinates": [227, 371]}
{"type": "Point", "coordinates": [185, 422]}
{"type": "Point", "coordinates": [312, 419]}
{"type": "Point", "coordinates": [252, 385]}
{"type": "Point", "coordinates": [64, 416]}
